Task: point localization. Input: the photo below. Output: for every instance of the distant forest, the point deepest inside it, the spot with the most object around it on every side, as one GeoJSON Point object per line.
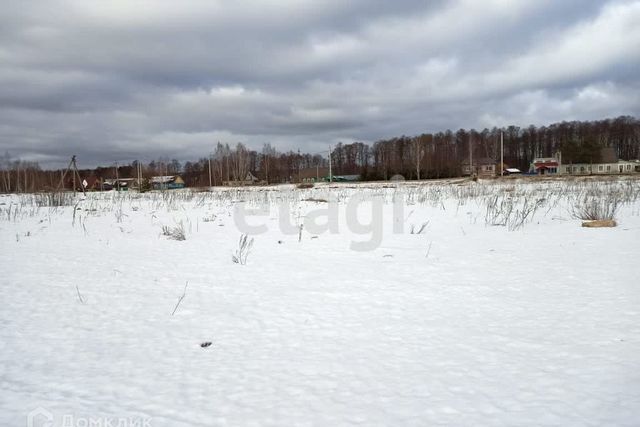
{"type": "Point", "coordinates": [425, 156]}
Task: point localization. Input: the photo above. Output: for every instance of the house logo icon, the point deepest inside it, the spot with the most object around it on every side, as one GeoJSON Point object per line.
{"type": "Point", "coordinates": [40, 417]}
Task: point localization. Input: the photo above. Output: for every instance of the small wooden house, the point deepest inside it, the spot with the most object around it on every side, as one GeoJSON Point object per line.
{"type": "Point", "coordinates": [483, 167]}
{"type": "Point", "coordinates": [316, 174]}
{"type": "Point", "coordinates": [119, 184]}
{"type": "Point", "coordinates": [250, 179]}
{"type": "Point", "coordinates": [545, 166]}
{"type": "Point", "coordinates": [167, 182]}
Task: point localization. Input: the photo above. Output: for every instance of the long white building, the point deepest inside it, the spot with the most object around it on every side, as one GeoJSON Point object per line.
{"type": "Point", "coordinates": [609, 165]}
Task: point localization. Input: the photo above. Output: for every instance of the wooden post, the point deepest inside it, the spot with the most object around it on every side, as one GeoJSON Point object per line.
{"type": "Point", "coordinates": [501, 153]}
{"type": "Point", "coordinates": [65, 173]}
{"type": "Point", "coordinates": [330, 172]}
{"type": "Point", "coordinates": [75, 168]}
{"type": "Point", "coordinates": [470, 157]}
{"type": "Point", "coordinates": [117, 179]}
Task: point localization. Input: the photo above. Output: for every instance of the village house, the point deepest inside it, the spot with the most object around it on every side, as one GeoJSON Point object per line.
{"type": "Point", "coordinates": [606, 164]}
{"type": "Point", "coordinates": [316, 174]}
{"type": "Point", "coordinates": [94, 183]}
{"type": "Point", "coordinates": [167, 182]}
{"type": "Point", "coordinates": [250, 179]}
{"type": "Point", "coordinates": [483, 167]}
{"type": "Point", "coordinates": [619, 167]}
{"type": "Point", "coordinates": [120, 184]}
{"type": "Point", "coordinates": [321, 174]}
{"type": "Point", "coordinates": [546, 165]}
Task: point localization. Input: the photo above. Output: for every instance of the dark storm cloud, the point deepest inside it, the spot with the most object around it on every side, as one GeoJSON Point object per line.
{"type": "Point", "coordinates": [127, 80]}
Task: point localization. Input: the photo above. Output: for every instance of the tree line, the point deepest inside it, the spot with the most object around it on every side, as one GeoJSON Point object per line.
{"type": "Point", "coordinates": [424, 156]}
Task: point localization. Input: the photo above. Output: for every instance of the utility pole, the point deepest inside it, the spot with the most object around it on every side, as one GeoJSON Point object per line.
{"type": "Point", "coordinates": [501, 153]}
{"type": "Point", "coordinates": [75, 168]}
{"type": "Point", "coordinates": [470, 157]}
{"type": "Point", "coordinates": [74, 172]}
{"type": "Point", "coordinates": [117, 178]}
{"type": "Point", "coordinates": [210, 184]}
{"type": "Point", "coordinates": [330, 173]}
{"type": "Point", "coordinates": [227, 153]}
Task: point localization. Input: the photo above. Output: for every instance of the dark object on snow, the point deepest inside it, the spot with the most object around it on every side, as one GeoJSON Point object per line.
{"type": "Point", "coordinates": [598, 223]}
{"type": "Point", "coordinates": [205, 344]}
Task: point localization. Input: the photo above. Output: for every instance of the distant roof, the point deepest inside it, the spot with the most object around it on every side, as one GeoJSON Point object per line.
{"type": "Point", "coordinates": [541, 165]}
{"type": "Point", "coordinates": [120, 181]}
{"type": "Point", "coordinates": [163, 179]}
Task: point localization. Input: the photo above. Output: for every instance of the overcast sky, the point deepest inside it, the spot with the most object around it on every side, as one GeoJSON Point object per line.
{"type": "Point", "coordinates": [125, 80]}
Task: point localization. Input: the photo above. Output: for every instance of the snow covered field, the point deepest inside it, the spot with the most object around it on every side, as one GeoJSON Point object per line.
{"type": "Point", "coordinates": [443, 303]}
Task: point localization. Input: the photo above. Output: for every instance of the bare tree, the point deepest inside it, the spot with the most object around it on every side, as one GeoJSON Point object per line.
{"type": "Point", "coordinates": [240, 162]}
{"type": "Point", "coordinates": [417, 151]}
{"type": "Point", "coordinates": [268, 154]}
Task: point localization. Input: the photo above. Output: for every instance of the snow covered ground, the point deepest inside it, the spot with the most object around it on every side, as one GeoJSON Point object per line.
{"type": "Point", "coordinates": [498, 310]}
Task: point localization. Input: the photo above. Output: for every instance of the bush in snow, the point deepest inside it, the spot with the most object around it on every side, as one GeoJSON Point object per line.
{"type": "Point", "coordinates": [175, 233]}
{"type": "Point", "coordinates": [596, 209]}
